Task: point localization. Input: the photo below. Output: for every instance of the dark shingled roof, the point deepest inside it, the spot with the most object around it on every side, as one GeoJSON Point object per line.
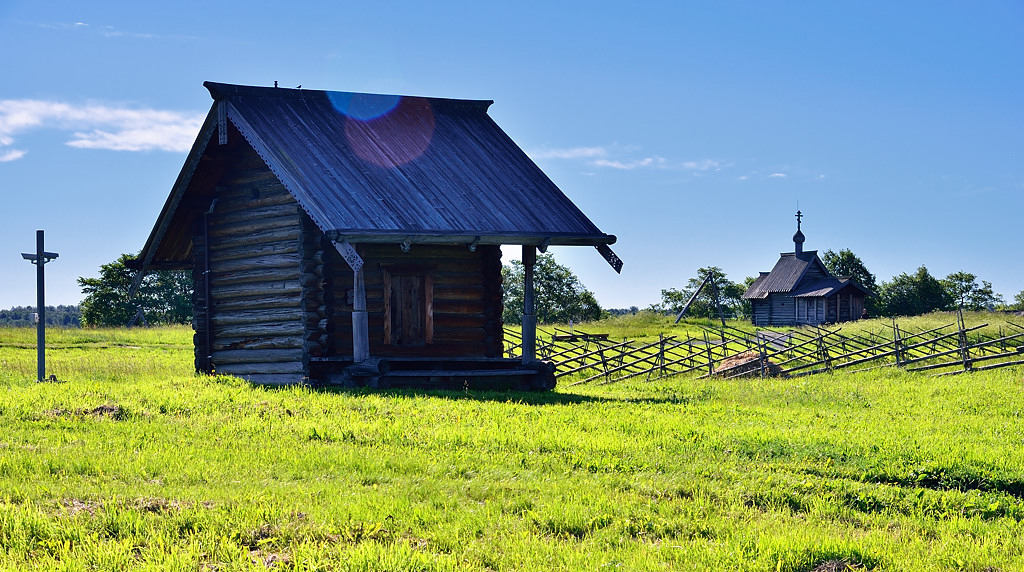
{"type": "Point", "coordinates": [365, 164]}
{"type": "Point", "coordinates": [787, 273]}
{"type": "Point", "coordinates": [384, 168]}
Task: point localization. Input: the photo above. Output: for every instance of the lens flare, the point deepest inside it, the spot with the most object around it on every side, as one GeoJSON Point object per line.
{"type": "Point", "coordinates": [363, 106]}
{"type": "Point", "coordinates": [394, 138]}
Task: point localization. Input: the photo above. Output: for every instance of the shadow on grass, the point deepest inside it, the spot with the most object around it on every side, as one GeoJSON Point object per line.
{"type": "Point", "coordinates": [537, 398]}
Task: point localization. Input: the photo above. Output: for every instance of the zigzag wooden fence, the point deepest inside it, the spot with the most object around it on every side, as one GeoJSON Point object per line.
{"type": "Point", "coordinates": [582, 357]}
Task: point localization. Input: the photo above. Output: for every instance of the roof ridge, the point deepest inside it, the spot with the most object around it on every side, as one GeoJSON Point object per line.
{"type": "Point", "coordinates": [220, 91]}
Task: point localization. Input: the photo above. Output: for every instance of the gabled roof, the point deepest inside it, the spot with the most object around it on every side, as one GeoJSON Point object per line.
{"type": "Point", "coordinates": [387, 168]}
{"type": "Point", "coordinates": [826, 287]}
{"type": "Point", "coordinates": [788, 272]}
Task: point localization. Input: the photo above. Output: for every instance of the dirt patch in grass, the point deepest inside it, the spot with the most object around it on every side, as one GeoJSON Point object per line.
{"type": "Point", "coordinates": [78, 506]}
{"type": "Point", "coordinates": [113, 411]}
{"type": "Point", "coordinates": [270, 559]}
{"type": "Point", "coordinates": [107, 410]}
{"type": "Point", "coordinates": [747, 364]}
{"type": "Point", "coordinates": [148, 504]}
{"type": "Point", "coordinates": [836, 566]}
{"type": "Point", "coordinates": [162, 505]}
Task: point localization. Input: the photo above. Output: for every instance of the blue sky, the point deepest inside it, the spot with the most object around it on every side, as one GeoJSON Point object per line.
{"type": "Point", "coordinates": [691, 130]}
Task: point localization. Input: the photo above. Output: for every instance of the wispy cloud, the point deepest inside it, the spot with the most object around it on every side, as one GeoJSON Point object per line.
{"type": "Point", "coordinates": [12, 155]}
{"type": "Point", "coordinates": [572, 153]}
{"type": "Point", "coordinates": [777, 176]}
{"type": "Point", "coordinates": [108, 31]}
{"type": "Point", "coordinates": [630, 164]}
{"type": "Point", "coordinates": [96, 126]}
{"type": "Point", "coordinates": [702, 165]}
{"type": "Point", "coordinates": [624, 158]}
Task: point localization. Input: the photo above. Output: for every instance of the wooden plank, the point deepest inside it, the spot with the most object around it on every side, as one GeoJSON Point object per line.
{"type": "Point", "coordinates": [245, 228]}
{"type": "Point", "coordinates": [252, 251]}
{"type": "Point", "coordinates": [247, 213]}
{"type": "Point", "coordinates": [258, 343]}
{"type": "Point", "coordinates": [257, 316]}
{"type": "Point", "coordinates": [288, 259]}
{"type": "Point", "coordinates": [289, 235]}
{"type": "Point", "coordinates": [262, 303]}
{"type": "Point", "coordinates": [281, 288]}
{"type": "Point", "coordinates": [284, 330]}
{"type": "Point", "coordinates": [261, 356]}
{"type": "Point", "coordinates": [261, 368]}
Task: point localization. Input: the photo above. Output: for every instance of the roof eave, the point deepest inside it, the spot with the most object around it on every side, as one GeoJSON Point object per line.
{"type": "Point", "coordinates": [469, 237]}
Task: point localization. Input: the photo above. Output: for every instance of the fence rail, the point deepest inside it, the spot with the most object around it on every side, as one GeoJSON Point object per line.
{"type": "Point", "coordinates": [586, 357]}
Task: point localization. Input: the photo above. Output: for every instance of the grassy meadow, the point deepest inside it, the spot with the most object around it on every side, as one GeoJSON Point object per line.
{"type": "Point", "coordinates": [132, 462]}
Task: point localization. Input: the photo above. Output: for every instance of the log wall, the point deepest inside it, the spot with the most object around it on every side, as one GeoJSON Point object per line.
{"type": "Point", "coordinates": [466, 299]}
{"type": "Point", "coordinates": [259, 286]}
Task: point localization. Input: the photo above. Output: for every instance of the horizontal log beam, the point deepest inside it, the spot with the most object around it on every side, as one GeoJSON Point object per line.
{"type": "Point", "coordinates": [256, 343]}
{"type": "Point", "coordinates": [227, 216]}
{"type": "Point", "coordinates": [221, 279]}
{"type": "Point", "coordinates": [231, 305]}
{"type": "Point", "coordinates": [294, 368]}
{"type": "Point", "coordinates": [289, 235]}
{"type": "Point", "coordinates": [251, 356]}
{"type": "Point", "coordinates": [247, 227]}
{"type": "Point", "coordinates": [282, 288]}
{"type": "Point", "coordinates": [289, 259]}
{"type": "Point", "coordinates": [252, 251]}
{"type": "Point", "coordinates": [284, 330]}
{"type": "Point", "coordinates": [271, 315]}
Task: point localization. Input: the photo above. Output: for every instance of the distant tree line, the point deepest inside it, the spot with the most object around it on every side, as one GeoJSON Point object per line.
{"type": "Point", "coordinates": [903, 295]}
{"type": "Point", "coordinates": [165, 297]}
{"type": "Point", "coordinates": [56, 316]}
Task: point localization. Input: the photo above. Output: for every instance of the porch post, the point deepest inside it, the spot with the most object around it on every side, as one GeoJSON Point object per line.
{"type": "Point", "coordinates": [360, 323]}
{"type": "Point", "coordinates": [529, 312]}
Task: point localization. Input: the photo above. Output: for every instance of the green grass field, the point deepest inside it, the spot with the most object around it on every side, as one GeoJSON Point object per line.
{"type": "Point", "coordinates": [132, 462]}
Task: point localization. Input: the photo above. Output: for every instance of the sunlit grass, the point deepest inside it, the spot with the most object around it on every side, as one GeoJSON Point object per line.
{"type": "Point", "coordinates": [134, 462]}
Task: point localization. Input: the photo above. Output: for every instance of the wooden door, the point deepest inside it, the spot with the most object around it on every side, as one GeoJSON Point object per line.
{"type": "Point", "coordinates": [408, 315]}
{"type": "Point", "coordinates": [408, 311]}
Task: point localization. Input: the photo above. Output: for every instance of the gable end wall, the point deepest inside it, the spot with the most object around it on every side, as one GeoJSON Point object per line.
{"type": "Point", "coordinates": [256, 286]}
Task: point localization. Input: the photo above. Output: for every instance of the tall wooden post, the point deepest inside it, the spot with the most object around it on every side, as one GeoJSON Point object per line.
{"type": "Point", "coordinates": [41, 308]}
{"type": "Point", "coordinates": [40, 258]}
{"type": "Point", "coordinates": [529, 310]}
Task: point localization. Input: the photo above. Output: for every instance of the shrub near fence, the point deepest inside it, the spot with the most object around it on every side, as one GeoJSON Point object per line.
{"type": "Point", "coordinates": [587, 357]}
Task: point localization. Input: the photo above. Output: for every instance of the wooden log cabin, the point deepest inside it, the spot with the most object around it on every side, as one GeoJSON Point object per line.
{"type": "Point", "coordinates": [355, 238]}
{"type": "Point", "coordinates": [800, 290]}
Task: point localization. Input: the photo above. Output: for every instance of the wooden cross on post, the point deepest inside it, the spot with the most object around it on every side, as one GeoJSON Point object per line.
{"type": "Point", "coordinates": [40, 258]}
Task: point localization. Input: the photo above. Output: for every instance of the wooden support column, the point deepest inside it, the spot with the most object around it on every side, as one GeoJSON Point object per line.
{"type": "Point", "coordinates": [529, 310]}
{"type": "Point", "coordinates": [360, 322]}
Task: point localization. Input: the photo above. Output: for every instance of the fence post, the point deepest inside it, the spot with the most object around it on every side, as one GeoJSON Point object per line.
{"type": "Point", "coordinates": [965, 352]}
{"type": "Point", "coordinates": [711, 359]}
{"type": "Point", "coordinates": [896, 343]}
{"type": "Point", "coordinates": [761, 345]}
{"type": "Point", "coordinates": [604, 362]}
{"type": "Point", "coordinates": [661, 355]}
{"type": "Point", "coordinates": [823, 351]}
